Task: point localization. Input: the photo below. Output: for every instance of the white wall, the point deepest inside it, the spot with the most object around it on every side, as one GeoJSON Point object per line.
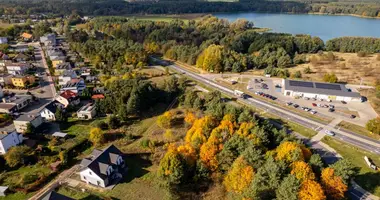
{"type": "Point", "coordinates": [90, 177]}
{"type": "Point", "coordinates": [47, 114]}
{"type": "Point", "coordinates": [12, 139]}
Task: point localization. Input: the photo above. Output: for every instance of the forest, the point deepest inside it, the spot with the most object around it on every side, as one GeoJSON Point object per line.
{"type": "Point", "coordinates": [120, 7]}
{"type": "Point", "coordinates": [251, 158]}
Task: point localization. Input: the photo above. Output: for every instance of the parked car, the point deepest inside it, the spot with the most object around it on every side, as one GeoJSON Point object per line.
{"type": "Point", "coordinates": [331, 106]}
{"type": "Point", "coordinates": [314, 104]}
{"type": "Point", "coordinates": [313, 112]}
{"type": "Point", "coordinates": [314, 99]}
{"type": "Point", "coordinates": [289, 103]}
{"type": "Point", "coordinates": [320, 99]}
{"type": "Point", "coordinates": [353, 116]}
{"type": "Point", "coordinates": [306, 98]}
{"type": "Point", "coordinates": [296, 105]}
{"type": "Point", "coordinates": [330, 133]}
{"type": "Point", "coordinates": [363, 99]}
{"type": "Point", "coordinates": [331, 109]}
{"type": "Point", "coordinates": [343, 102]}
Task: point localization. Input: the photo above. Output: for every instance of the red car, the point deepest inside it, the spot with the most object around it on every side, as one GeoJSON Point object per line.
{"type": "Point", "coordinates": [314, 104]}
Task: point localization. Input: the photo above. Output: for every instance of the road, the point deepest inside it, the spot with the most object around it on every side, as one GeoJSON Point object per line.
{"type": "Point", "coordinates": [352, 138]}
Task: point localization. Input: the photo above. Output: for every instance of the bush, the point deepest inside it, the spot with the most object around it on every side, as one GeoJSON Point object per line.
{"type": "Point", "coordinates": [27, 179]}
{"type": "Point", "coordinates": [100, 124]}
{"type": "Point", "coordinates": [298, 74]}
{"type": "Point", "coordinates": [113, 122]}
{"type": "Point", "coordinates": [307, 70]}
{"type": "Point", "coordinates": [361, 54]}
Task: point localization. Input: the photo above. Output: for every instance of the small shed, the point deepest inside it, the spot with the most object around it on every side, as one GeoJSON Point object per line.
{"type": "Point", "coordinates": [60, 134]}
{"type": "Point", "coordinates": [3, 190]}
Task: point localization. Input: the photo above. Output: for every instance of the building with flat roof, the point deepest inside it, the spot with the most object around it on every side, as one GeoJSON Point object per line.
{"type": "Point", "coordinates": [325, 91]}
{"type": "Point", "coordinates": [13, 103]}
{"type": "Point", "coordinates": [87, 112]}
{"type": "Point", "coordinates": [17, 68]}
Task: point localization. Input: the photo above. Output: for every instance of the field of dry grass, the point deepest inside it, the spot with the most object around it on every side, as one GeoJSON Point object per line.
{"type": "Point", "coordinates": [349, 68]}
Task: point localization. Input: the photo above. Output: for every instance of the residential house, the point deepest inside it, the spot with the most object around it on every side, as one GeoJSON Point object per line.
{"type": "Point", "coordinates": [3, 40]}
{"type": "Point", "coordinates": [21, 123]}
{"type": "Point", "coordinates": [48, 113]}
{"type": "Point", "coordinates": [5, 79]}
{"type": "Point", "coordinates": [17, 68]}
{"type": "Point", "coordinates": [8, 140]}
{"type": "Point", "coordinates": [23, 81]}
{"type": "Point", "coordinates": [21, 57]}
{"type": "Point", "coordinates": [67, 98]}
{"type": "Point", "coordinates": [13, 103]}
{"type": "Point", "coordinates": [19, 48]}
{"type": "Point", "coordinates": [27, 36]}
{"type": "Point", "coordinates": [102, 167]}
{"type": "Point", "coordinates": [57, 60]}
{"type": "Point", "coordinates": [66, 77]}
{"type": "Point", "coordinates": [48, 39]}
{"type": "Point", "coordinates": [56, 196]}
{"type": "Point", "coordinates": [75, 85]}
{"type": "Point", "coordinates": [60, 68]}
{"type": "Point", "coordinates": [87, 111]}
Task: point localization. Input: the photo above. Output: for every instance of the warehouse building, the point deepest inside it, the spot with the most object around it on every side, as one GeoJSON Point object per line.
{"type": "Point", "coordinates": [325, 91]}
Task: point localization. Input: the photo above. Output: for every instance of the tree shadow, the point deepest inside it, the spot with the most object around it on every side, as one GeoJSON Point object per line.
{"type": "Point", "coordinates": [136, 164]}
{"type": "Point", "coordinates": [369, 181]}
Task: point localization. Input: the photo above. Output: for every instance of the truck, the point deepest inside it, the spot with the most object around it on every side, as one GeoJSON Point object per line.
{"type": "Point", "coordinates": [239, 94]}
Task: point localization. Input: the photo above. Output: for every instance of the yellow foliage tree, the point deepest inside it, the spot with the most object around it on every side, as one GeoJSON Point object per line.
{"type": "Point", "coordinates": [190, 118]}
{"type": "Point", "coordinates": [164, 120]}
{"type": "Point", "coordinates": [333, 185]}
{"type": "Point", "coordinates": [211, 58]}
{"type": "Point", "coordinates": [208, 152]}
{"type": "Point", "coordinates": [168, 134]}
{"type": "Point", "coordinates": [302, 171]}
{"type": "Point", "coordinates": [96, 136]}
{"type": "Point", "coordinates": [189, 153]}
{"type": "Point", "coordinates": [311, 190]}
{"type": "Point", "coordinates": [244, 129]}
{"type": "Point", "coordinates": [200, 130]}
{"type": "Point", "coordinates": [289, 152]}
{"type": "Point", "coordinates": [239, 176]}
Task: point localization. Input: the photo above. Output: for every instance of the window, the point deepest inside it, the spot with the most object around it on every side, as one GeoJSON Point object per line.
{"type": "Point", "coordinates": [84, 178]}
{"type": "Point", "coordinates": [90, 173]}
{"type": "Point", "coordinates": [98, 182]}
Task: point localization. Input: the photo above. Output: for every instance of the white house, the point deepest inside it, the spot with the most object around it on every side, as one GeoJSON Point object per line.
{"type": "Point", "coordinates": [103, 167]}
{"type": "Point", "coordinates": [17, 68]}
{"type": "Point", "coordinates": [67, 98]}
{"type": "Point", "coordinates": [87, 112]}
{"type": "Point", "coordinates": [3, 40]}
{"type": "Point", "coordinates": [66, 77]}
{"type": "Point", "coordinates": [75, 85]}
{"type": "Point", "coordinates": [21, 123]}
{"type": "Point", "coordinates": [8, 140]}
{"type": "Point", "coordinates": [48, 113]}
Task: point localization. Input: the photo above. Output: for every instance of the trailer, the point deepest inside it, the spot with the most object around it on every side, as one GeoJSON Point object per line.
{"type": "Point", "coordinates": [370, 163]}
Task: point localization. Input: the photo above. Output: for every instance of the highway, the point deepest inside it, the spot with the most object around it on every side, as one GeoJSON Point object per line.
{"type": "Point", "coordinates": [348, 137]}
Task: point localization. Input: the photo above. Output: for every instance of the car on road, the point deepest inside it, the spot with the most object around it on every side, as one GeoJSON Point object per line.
{"type": "Point", "coordinates": [363, 99]}
{"type": "Point", "coordinates": [313, 112]}
{"type": "Point", "coordinates": [331, 106]}
{"type": "Point", "coordinates": [289, 103]}
{"type": "Point", "coordinates": [330, 133]}
{"type": "Point", "coordinates": [343, 102]}
{"type": "Point", "coordinates": [353, 116]}
{"type": "Point", "coordinates": [331, 109]}
{"type": "Point", "coordinates": [314, 104]}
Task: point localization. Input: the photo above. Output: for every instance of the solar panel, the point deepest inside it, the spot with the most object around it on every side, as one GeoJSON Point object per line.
{"type": "Point", "coordinates": [301, 84]}
{"type": "Point", "coordinates": [327, 86]}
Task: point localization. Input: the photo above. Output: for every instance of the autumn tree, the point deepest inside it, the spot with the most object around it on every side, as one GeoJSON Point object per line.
{"type": "Point", "coordinates": [311, 190]}
{"type": "Point", "coordinates": [333, 185]}
{"type": "Point", "coordinates": [302, 171]}
{"type": "Point", "coordinates": [168, 135]}
{"type": "Point", "coordinates": [96, 136]}
{"type": "Point", "coordinates": [189, 153]}
{"type": "Point", "coordinates": [172, 167]}
{"type": "Point", "coordinates": [211, 59]}
{"type": "Point", "coordinates": [239, 176]}
{"type": "Point", "coordinates": [200, 131]}
{"type": "Point", "coordinates": [165, 120]}
{"type": "Point", "coordinates": [373, 125]}
{"type": "Point", "coordinates": [289, 152]}
{"type": "Point", "coordinates": [190, 118]}
{"type": "Point", "coordinates": [208, 153]}
{"type": "Point", "coordinates": [16, 155]}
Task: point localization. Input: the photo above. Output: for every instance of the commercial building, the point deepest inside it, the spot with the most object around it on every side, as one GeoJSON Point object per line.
{"type": "Point", "coordinates": [325, 91]}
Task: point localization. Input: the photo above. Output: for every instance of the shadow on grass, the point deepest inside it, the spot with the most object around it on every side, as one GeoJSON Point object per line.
{"type": "Point", "coordinates": [136, 164]}
{"type": "Point", "coordinates": [94, 197]}
{"type": "Point", "coordinates": [369, 181]}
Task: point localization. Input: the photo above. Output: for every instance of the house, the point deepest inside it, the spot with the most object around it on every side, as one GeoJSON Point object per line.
{"type": "Point", "coordinates": [17, 68]}
{"type": "Point", "coordinates": [21, 57]}
{"type": "Point", "coordinates": [102, 167]}
{"type": "Point", "coordinates": [8, 140]}
{"type": "Point", "coordinates": [5, 79]}
{"type": "Point", "coordinates": [75, 85]}
{"type": "Point", "coordinates": [61, 68]}
{"type": "Point", "coordinates": [13, 103]}
{"type": "Point", "coordinates": [48, 39]}
{"type": "Point", "coordinates": [87, 111]}
{"type": "Point", "coordinates": [21, 123]}
{"type": "Point", "coordinates": [66, 77]}
{"type": "Point", "coordinates": [19, 48]}
{"type": "Point", "coordinates": [26, 36]}
{"type": "Point", "coordinates": [56, 196]}
{"type": "Point", "coordinates": [3, 40]}
{"type": "Point", "coordinates": [325, 91]}
{"type": "Point", "coordinates": [48, 113]}
{"type": "Point", "coordinates": [67, 98]}
{"type": "Point", "coordinates": [57, 60]}
{"type": "Point", "coordinates": [23, 81]}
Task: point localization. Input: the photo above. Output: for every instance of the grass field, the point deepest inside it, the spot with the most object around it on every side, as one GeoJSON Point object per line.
{"type": "Point", "coordinates": [4, 25]}
{"type": "Point", "coordinates": [367, 178]}
{"type": "Point", "coordinates": [357, 129]}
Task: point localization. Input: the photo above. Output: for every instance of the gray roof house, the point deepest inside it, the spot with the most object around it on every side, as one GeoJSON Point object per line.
{"type": "Point", "coordinates": [56, 196]}
{"type": "Point", "coordinates": [103, 167]}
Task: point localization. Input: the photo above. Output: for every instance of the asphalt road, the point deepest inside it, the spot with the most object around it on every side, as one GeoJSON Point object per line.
{"type": "Point", "coordinates": [349, 137]}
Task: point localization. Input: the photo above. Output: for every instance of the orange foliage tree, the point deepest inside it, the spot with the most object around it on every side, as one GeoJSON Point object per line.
{"type": "Point", "coordinates": [302, 171]}
{"type": "Point", "coordinates": [189, 153]}
{"type": "Point", "coordinates": [208, 152]}
{"type": "Point", "coordinates": [200, 130]}
{"type": "Point", "coordinates": [190, 118]}
{"type": "Point", "coordinates": [239, 176]}
{"type": "Point", "coordinates": [290, 152]}
{"type": "Point", "coordinates": [311, 190]}
{"type": "Point", "coordinates": [333, 185]}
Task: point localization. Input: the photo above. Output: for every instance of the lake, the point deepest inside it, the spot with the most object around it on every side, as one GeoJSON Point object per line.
{"type": "Point", "coordinates": [324, 26]}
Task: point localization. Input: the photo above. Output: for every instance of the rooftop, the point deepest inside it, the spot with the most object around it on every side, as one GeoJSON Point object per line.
{"type": "Point", "coordinates": [56, 196]}
{"type": "Point", "coordinates": [319, 88]}
{"type": "Point", "coordinates": [27, 118]}
{"type": "Point", "coordinates": [59, 134]}
{"type": "Point", "coordinates": [68, 94]}
{"type": "Point", "coordinates": [87, 108]}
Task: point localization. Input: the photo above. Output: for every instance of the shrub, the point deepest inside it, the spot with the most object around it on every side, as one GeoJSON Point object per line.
{"type": "Point", "coordinates": [361, 54]}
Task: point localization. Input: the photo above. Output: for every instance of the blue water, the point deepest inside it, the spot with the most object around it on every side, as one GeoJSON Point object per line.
{"type": "Point", "coordinates": [324, 26]}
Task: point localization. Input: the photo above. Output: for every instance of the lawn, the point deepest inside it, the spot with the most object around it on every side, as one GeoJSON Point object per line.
{"type": "Point", "coordinates": [307, 132]}
{"type": "Point", "coordinates": [367, 178]}
{"type": "Point", "coordinates": [357, 129]}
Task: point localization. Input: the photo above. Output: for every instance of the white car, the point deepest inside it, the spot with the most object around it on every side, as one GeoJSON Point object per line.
{"type": "Point", "coordinates": [313, 112]}
{"type": "Point", "coordinates": [330, 133]}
